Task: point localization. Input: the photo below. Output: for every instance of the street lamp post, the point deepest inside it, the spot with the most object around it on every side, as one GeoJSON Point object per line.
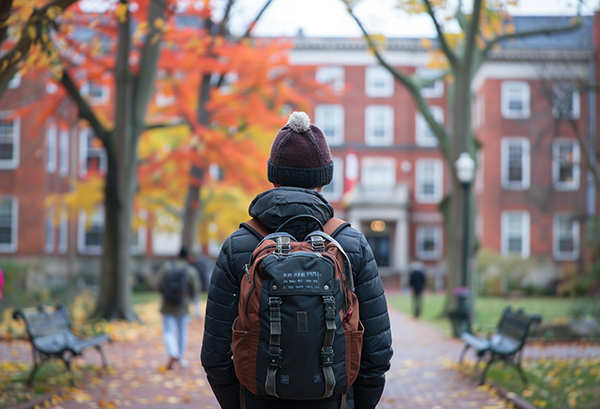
{"type": "Point", "coordinates": [465, 171]}
{"type": "Point", "coordinates": [461, 317]}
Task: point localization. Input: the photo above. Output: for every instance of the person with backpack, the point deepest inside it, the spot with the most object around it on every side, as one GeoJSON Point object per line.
{"type": "Point", "coordinates": [178, 284]}
{"type": "Point", "coordinates": [416, 282]}
{"type": "Point", "coordinates": [296, 314]}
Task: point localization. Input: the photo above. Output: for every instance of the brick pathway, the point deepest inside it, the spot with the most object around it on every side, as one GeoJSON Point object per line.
{"type": "Point", "coordinates": [423, 372]}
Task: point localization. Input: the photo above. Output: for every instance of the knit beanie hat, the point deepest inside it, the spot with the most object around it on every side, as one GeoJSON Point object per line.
{"type": "Point", "coordinates": [300, 156]}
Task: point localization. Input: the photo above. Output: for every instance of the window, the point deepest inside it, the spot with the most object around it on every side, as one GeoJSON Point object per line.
{"type": "Point", "coordinates": [63, 153]}
{"type": "Point", "coordinates": [379, 82]}
{"type": "Point", "coordinates": [565, 164]}
{"type": "Point", "coordinates": [333, 76]}
{"type": "Point", "coordinates": [8, 224]}
{"type": "Point", "coordinates": [379, 125]}
{"type": "Point", "coordinates": [515, 233]}
{"type": "Point", "coordinates": [91, 157]}
{"type": "Point", "coordinates": [515, 163]}
{"type": "Point", "coordinates": [50, 231]}
{"type": "Point", "coordinates": [15, 81]}
{"type": "Point", "coordinates": [424, 135]}
{"type": "Point", "coordinates": [51, 148]}
{"type": "Point", "coordinates": [96, 93]}
{"type": "Point", "coordinates": [9, 142]}
{"type": "Point", "coordinates": [137, 243]}
{"type": "Point", "coordinates": [90, 232]}
{"type": "Point", "coordinates": [515, 99]}
{"type": "Point", "coordinates": [565, 104]}
{"type": "Point", "coordinates": [63, 231]}
{"type": "Point", "coordinates": [333, 191]}
{"type": "Point", "coordinates": [378, 175]}
{"type": "Point", "coordinates": [434, 89]}
{"type": "Point", "coordinates": [566, 237]}
{"type": "Point", "coordinates": [330, 118]}
{"type": "Point", "coordinates": [429, 242]}
{"type": "Point", "coordinates": [428, 181]}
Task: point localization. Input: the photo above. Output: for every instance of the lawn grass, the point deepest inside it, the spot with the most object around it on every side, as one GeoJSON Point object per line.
{"type": "Point", "coordinates": [553, 384]}
{"type": "Point", "coordinates": [487, 309]}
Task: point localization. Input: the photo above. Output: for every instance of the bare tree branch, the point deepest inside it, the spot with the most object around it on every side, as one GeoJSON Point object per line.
{"type": "Point", "coordinates": [260, 13]}
{"type": "Point", "coordinates": [529, 33]}
{"type": "Point", "coordinates": [85, 111]}
{"type": "Point", "coordinates": [441, 36]}
{"type": "Point", "coordinates": [412, 87]}
{"type": "Point", "coordinates": [38, 19]}
{"type": "Point", "coordinates": [471, 36]}
{"type": "Point", "coordinates": [223, 24]}
{"type": "Point", "coordinates": [144, 81]}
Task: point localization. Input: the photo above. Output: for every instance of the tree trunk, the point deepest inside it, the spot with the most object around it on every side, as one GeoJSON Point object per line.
{"type": "Point", "coordinates": [114, 299]}
{"type": "Point", "coordinates": [191, 213]}
{"type": "Point", "coordinates": [460, 105]}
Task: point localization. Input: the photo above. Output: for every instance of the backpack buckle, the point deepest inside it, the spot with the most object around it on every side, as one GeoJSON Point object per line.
{"type": "Point", "coordinates": [274, 356]}
{"type": "Point", "coordinates": [283, 245]}
{"type": "Point", "coordinates": [317, 243]}
{"type": "Point", "coordinates": [327, 356]}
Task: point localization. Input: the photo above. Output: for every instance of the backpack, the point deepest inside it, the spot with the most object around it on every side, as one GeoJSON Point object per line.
{"type": "Point", "coordinates": [174, 286]}
{"type": "Point", "coordinates": [298, 334]}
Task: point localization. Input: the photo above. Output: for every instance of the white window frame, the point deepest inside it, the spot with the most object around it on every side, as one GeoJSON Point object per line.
{"type": "Point", "coordinates": [389, 179]}
{"type": "Point", "coordinates": [438, 181]}
{"type": "Point", "coordinates": [376, 75]}
{"type": "Point", "coordinates": [507, 112]}
{"type": "Point", "coordinates": [63, 152]}
{"type": "Point", "coordinates": [96, 100]}
{"type": "Point", "coordinates": [525, 232]}
{"type": "Point", "coordinates": [51, 146]}
{"type": "Point", "coordinates": [436, 90]}
{"type": "Point", "coordinates": [558, 90]}
{"type": "Point", "coordinates": [575, 232]}
{"type": "Point", "coordinates": [331, 116]}
{"type": "Point", "coordinates": [525, 163]}
{"type": "Point", "coordinates": [84, 134]}
{"type": "Point", "coordinates": [141, 233]}
{"type": "Point", "coordinates": [14, 162]}
{"type": "Point", "coordinates": [424, 135]}
{"type": "Point", "coordinates": [437, 238]}
{"type": "Point", "coordinates": [371, 116]}
{"type": "Point", "coordinates": [572, 184]}
{"type": "Point", "coordinates": [333, 192]}
{"type": "Point", "coordinates": [50, 231]}
{"type": "Point", "coordinates": [81, 230]}
{"type": "Point", "coordinates": [63, 233]}
{"type": "Point", "coordinates": [12, 246]}
{"type": "Point", "coordinates": [333, 75]}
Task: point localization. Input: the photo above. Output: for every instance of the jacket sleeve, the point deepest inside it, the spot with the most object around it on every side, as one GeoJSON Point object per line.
{"type": "Point", "coordinates": [221, 310]}
{"type": "Point", "coordinates": [377, 340]}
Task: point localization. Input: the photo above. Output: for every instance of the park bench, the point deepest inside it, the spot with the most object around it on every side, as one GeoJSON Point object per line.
{"type": "Point", "coordinates": [51, 336]}
{"type": "Point", "coordinates": [506, 344]}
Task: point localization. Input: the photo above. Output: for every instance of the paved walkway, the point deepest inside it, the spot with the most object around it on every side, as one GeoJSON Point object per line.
{"type": "Point", "coordinates": [423, 373]}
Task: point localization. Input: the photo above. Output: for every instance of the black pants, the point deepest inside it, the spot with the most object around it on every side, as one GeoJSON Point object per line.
{"type": "Point", "coordinates": [417, 303]}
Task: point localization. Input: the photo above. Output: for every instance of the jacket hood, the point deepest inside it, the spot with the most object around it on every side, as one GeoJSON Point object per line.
{"type": "Point", "coordinates": [274, 207]}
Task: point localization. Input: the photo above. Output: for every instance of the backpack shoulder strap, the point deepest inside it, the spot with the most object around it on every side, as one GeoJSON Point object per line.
{"type": "Point", "coordinates": [334, 226]}
{"type": "Point", "coordinates": [256, 227]}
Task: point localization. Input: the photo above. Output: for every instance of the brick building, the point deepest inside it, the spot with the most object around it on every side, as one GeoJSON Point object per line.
{"type": "Point", "coordinates": [533, 189]}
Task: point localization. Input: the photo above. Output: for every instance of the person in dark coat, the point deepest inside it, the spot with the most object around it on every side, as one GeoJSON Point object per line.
{"type": "Point", "coordinates": [299, 166]}
{"type": "Point", "coordinates": [416, 282]}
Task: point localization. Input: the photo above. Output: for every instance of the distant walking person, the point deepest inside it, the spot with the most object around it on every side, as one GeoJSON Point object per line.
{"type": "Point", "coordinates": [178, 284]}
{"type": "Point", "coordinates": [416, 281]}
{"type": "Point", "coordinates": [203, 268]}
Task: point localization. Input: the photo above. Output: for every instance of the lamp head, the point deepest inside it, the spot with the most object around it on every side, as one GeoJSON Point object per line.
{"type": "Point", "coordinates": [465, 168]}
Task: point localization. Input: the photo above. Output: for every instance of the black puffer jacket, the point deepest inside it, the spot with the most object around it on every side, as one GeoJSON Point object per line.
{"type": "Point", "coordinates": [273, 208]}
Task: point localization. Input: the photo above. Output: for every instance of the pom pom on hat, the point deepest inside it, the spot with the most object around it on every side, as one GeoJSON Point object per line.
{"type": "Point", "coordinates": [299, 122]}
{"type": "Point", "coordinates": [300, 155]}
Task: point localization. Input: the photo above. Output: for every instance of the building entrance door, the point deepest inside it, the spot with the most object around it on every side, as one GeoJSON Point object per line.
{"type": "Point", "coordinates": [381, 249]}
